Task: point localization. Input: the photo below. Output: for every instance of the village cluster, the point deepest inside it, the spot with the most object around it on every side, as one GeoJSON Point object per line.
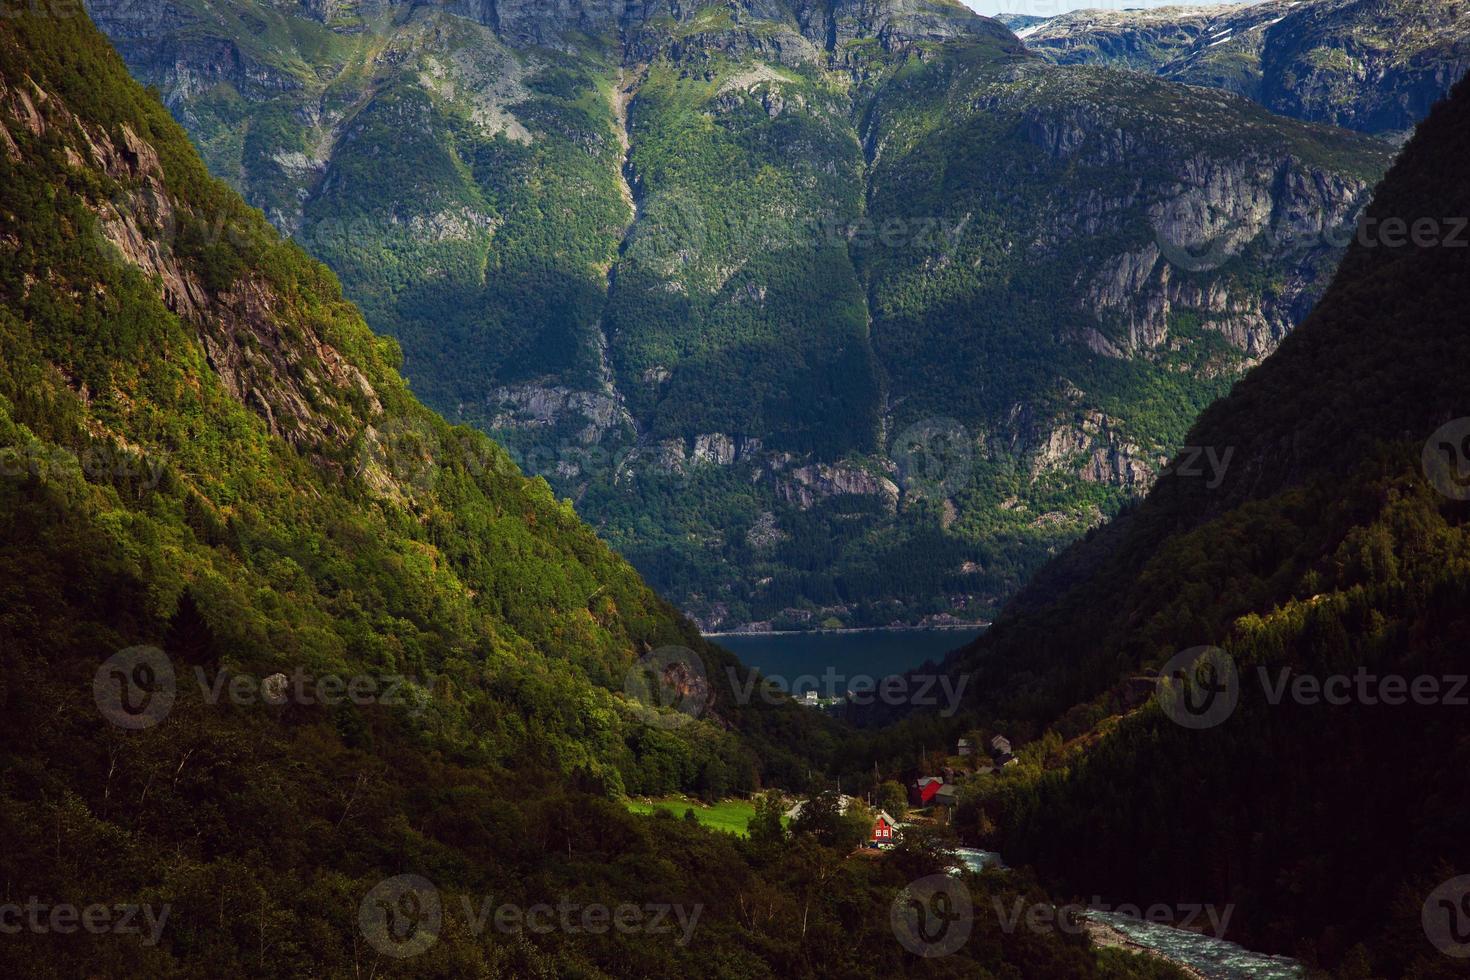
{"type": "Point", "coordinates": [930, 797]}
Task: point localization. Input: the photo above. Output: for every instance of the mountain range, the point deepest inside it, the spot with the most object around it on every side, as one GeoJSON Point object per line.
{"type": "Point", "coordinates": [1292, 593]}
{"type": "Point", "coordinates": [325, 682]}
{"type": "Point", "coordinates": [313, 683]}
{"type": "Point", "coordinates": [1373, 66]}
{"type": "Point", "coordinates": [822, 314]}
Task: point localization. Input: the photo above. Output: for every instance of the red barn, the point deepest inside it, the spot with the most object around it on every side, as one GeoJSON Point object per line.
{"type": "Point", "coordinates": [924, 790]}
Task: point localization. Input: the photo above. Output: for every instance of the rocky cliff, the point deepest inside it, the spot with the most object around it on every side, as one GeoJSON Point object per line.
{"type": "Point", "coordinates": [700, 262]}
{"type": "Point", "coordinates": [1370, 65]}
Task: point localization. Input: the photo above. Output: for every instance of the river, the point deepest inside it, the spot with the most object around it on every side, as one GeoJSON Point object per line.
{"type": "Point", "coordinates": [1202, 955]}
{"type": "Point", "coordinates": [1205, 956]}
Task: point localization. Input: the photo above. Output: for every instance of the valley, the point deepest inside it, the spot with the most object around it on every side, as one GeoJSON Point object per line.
{"type": "Point", "coordinates": [753, 489]}
{"type": "Point", "coordinates": [824, 374]}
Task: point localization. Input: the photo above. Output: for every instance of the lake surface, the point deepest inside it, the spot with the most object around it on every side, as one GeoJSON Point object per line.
{"type": "Point", "coordinates": [802, 662]}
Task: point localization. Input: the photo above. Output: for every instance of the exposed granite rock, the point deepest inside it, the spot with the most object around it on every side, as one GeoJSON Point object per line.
{"type": "Point", "coordinates": [1376, 67]}
{"type": "Point", "coordinates": [298, 384]}
{"type": "Point", "coordinates": [806, 485]}
{"type": "Point", "coordinates": [543, 405]}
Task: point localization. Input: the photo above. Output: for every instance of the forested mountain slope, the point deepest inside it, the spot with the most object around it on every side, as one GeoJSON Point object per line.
{"type": "Point", "coordinates": [786, 296]}
{"type": "Point", "coordinates": [1328, 565]}
{"type": "Point", "coordinates": [273, 635]}
{"type": "Point", "coordinates": [1371, 65]}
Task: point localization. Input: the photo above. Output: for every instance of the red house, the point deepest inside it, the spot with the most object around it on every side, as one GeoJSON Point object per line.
{"type": "Point", "coordinates": [924, 790]}
{"type": "Point", "coordinates": [883, 827]}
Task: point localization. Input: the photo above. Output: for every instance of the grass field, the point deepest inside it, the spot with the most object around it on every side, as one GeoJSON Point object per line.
{"type": "Point", "coordinates": [730, 816]}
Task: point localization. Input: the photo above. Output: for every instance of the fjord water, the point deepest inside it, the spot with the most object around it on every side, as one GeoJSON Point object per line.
{"type": "Point", "coordinates": [818, 661]}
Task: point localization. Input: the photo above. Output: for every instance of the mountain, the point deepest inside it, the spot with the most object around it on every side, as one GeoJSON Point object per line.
{"type": "Point", "coordinates": [298, 680]}
{"type": "Point", "coordinates": [1321, 568]}
{"type": "Point", "coordinates": [822, 314]}
{"type": "Point", "coordinates": [1375, 66]}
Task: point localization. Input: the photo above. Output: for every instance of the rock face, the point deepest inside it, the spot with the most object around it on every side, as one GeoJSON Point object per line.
{"type": "Point", "coordinates": [894, 23]}
{"type": "Point", "coordinates": [298, 385]}
{"type": "Point", "coordinates": [806, 485]}
{"type": "Point", "coordinates": [1094, 449]}
{"type": "Point", "coordinates": [889, 215]}
{"type": "Point", "coordinates": [530, 406]}
{"type": "Point", "coordinates": [1376, 66]}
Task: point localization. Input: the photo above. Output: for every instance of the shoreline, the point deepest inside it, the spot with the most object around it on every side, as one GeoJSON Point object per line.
{"type": "Point", "coordinates": [1103, 935]}
{"type": "Point", "coordinates": [954, 627]}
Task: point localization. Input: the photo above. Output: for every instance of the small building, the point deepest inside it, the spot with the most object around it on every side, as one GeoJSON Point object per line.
{"type": "Point", "coordinates": [924, 789]}
{"type": "Point", "coordinates": [810, 699]}
{"type": "Point", "coordinates": [947, 795]}
{"type": "Point", "coordinates": [965, 748]}
{"type": "Point", "coordinates": [1000, 745]}
{"type": "Point", "coordinates": [883, 828]}
{"type": "Point", "coordinates": [843, 802]}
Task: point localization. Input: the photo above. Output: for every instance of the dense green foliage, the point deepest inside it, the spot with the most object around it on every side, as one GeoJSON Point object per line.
{"type": "Point", "coordinates": [704, 229]}
{"type": "Point", "coordinates": [1375, 66]}
{"type": "Point", "coordinates": [1329, 550]}
{"type": "Point", "coordinates": [204, 449]}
